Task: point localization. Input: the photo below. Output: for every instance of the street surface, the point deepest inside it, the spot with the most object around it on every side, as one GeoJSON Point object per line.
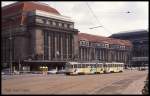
{"type": "Point", "coordinates": [128, 82]}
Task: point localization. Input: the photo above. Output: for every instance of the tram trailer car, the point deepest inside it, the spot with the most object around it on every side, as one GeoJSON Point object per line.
{"type": "Point", "coordinates": [76, 68]}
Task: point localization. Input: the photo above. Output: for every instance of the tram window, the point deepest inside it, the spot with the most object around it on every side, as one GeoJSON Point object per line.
{"type": "Point", "coordinates": [116, 65]}
{"type": "Point", "coordinates": [87, 65]}
{"type": "Point", "coordinates": [95, 65]}
{"type": "Point", "coordinates": [104, 65]}
{"type": "Point", "coordinates": [110, 65]}
{"type": "Point", "coordinates": [90, 65]}
{"type": "Point", "coordinates": [79, 66]}
{"type": "Point", "coordinates": [107, 65]}
{"type": "Point", "coordinates": [75, 66]}
{"type": "Point", "coordinates": [83, 65]}
{"type": "Point", "coordinates": [100, 65]}
{"type": "Point", "coordinates": [70, 66]}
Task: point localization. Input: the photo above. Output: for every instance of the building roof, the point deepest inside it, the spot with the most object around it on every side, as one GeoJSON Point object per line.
{"type": "Point", "coordinates": [27, 6]}
{"type": "Point", "coordinates": [130, 33]}
{"type": "Point", "coordinates": [101, 39]}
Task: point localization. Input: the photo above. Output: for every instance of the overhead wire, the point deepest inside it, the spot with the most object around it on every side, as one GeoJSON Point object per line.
{"type": "Point", "coordinates": [97, 19]}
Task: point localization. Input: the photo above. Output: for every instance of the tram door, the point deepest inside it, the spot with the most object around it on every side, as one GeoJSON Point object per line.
{"type": "Point", "coordinates": [105, 68]}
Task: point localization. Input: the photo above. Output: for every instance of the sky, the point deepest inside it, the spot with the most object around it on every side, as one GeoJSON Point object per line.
{"type": "Point", "coordinates": [112, 16]}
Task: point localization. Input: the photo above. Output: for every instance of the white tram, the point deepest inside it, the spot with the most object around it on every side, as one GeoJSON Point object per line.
{"type": "Point", "coordinates": [74, 68]}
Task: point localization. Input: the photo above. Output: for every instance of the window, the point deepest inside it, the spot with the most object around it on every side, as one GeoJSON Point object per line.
{"type": "Point", "coordinates": [65, 25]}
{"type": "Point", "coordinates": [48, 22]}
{"type": "Point", "coordinates": [57, 24]}
{"type": "Point", "coordinates": [54, 23]}
{"type": "Point", "coordinates": [68, 25]}
{"type": "Point", "coordinates": [107, 45]}
{"type": "Point", "coordinates": [44, 21]}
{"type": "Point", "coordinates": [39, 20]}
{"type": "Point", "coordinates": [87, 43]}
{"type": "Point", "coordinates": [60, 24]}
{"type": "Point", "coordinates": [71, 26]}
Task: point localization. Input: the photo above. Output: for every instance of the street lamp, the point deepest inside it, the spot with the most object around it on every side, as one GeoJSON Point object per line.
{"type": "Point", "coordinates": [11, 20]}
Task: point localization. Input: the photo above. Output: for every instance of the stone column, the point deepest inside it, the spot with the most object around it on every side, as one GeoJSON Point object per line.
{"type": "Point", "coordinates": [90, 53]}
{"type": "Point", "coordinates": [94, 53]}
{"type": "Point", "coordinates": [61, 40]}
{"type": "Point", "coordinates": [72, 47]}
{"type": "Point", "coordinates": [67, 46]}
{"type": "Point", "coordinates": [86, 54]}
{"type": "Point", "coordinates": [83, 54]}
{"type": "Point", "coordinates": [80, 53]}
{"type": "Point", "coordinates": [55, 45]}
{"type": "Point", "coordinates": [49, 47]}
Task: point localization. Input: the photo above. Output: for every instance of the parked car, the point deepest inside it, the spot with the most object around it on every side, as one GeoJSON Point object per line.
{"type": "Point", "coordinates": [5, 71]}
{"type": "Point", "coordinates": [53, 71]}
{"type": "Point", "coordinates": [60, 72]}
{"type": "Point", "coordinates": [36, 72]}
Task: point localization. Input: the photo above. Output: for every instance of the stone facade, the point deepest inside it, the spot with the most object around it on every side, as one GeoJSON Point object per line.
{"type": "Point", "coordinates": [140, 51]}
{"type": "Point", "coordinates": [41, 35]}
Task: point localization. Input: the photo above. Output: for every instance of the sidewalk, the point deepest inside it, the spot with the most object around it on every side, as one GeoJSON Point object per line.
{"type": "Point", "coordinates": [135, 87]}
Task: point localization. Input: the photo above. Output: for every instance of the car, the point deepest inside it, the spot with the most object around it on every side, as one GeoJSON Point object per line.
{"type": "Point", "coordinates": [52, 71]}
{"type": "Point", "coordinates": [60, 71]}
{"type": "Point", "coordinates": [5, 71]}
{"type": "Point", "coordinates": [36, 72]}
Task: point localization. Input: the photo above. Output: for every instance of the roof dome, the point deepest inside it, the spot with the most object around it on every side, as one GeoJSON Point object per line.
{"type": "Point", "coordinates": [28, 6]}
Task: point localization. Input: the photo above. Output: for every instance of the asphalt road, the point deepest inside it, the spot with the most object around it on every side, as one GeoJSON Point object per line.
{"type": "Point", "coordinates": [127, 82]}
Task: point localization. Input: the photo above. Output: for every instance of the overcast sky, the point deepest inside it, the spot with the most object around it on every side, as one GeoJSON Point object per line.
{"type": "Point", "coordinates": [112, 16]}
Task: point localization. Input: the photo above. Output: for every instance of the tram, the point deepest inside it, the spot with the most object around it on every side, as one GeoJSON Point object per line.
{"type": "Point", "coordinates": [77, 68]}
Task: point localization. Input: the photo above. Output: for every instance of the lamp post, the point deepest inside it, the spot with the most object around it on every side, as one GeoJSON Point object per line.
{"type": "Point", "coordinates": [10, 38]}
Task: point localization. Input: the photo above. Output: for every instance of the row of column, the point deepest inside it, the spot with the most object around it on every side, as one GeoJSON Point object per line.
{"type": "Point", "coordinates": [109, 55]}
{"type": "Point", "coordinates": [6, 49]}
{"type": "Point", "coordinates": [58, 46]}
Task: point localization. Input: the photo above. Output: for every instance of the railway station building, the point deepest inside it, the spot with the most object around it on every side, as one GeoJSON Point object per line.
{"type": "Point", "coordinates": [140, 42]}
{"type": "Point", "coordinates": [35, 34]}
{"type": "Point", "coordinates": [104, 49]}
